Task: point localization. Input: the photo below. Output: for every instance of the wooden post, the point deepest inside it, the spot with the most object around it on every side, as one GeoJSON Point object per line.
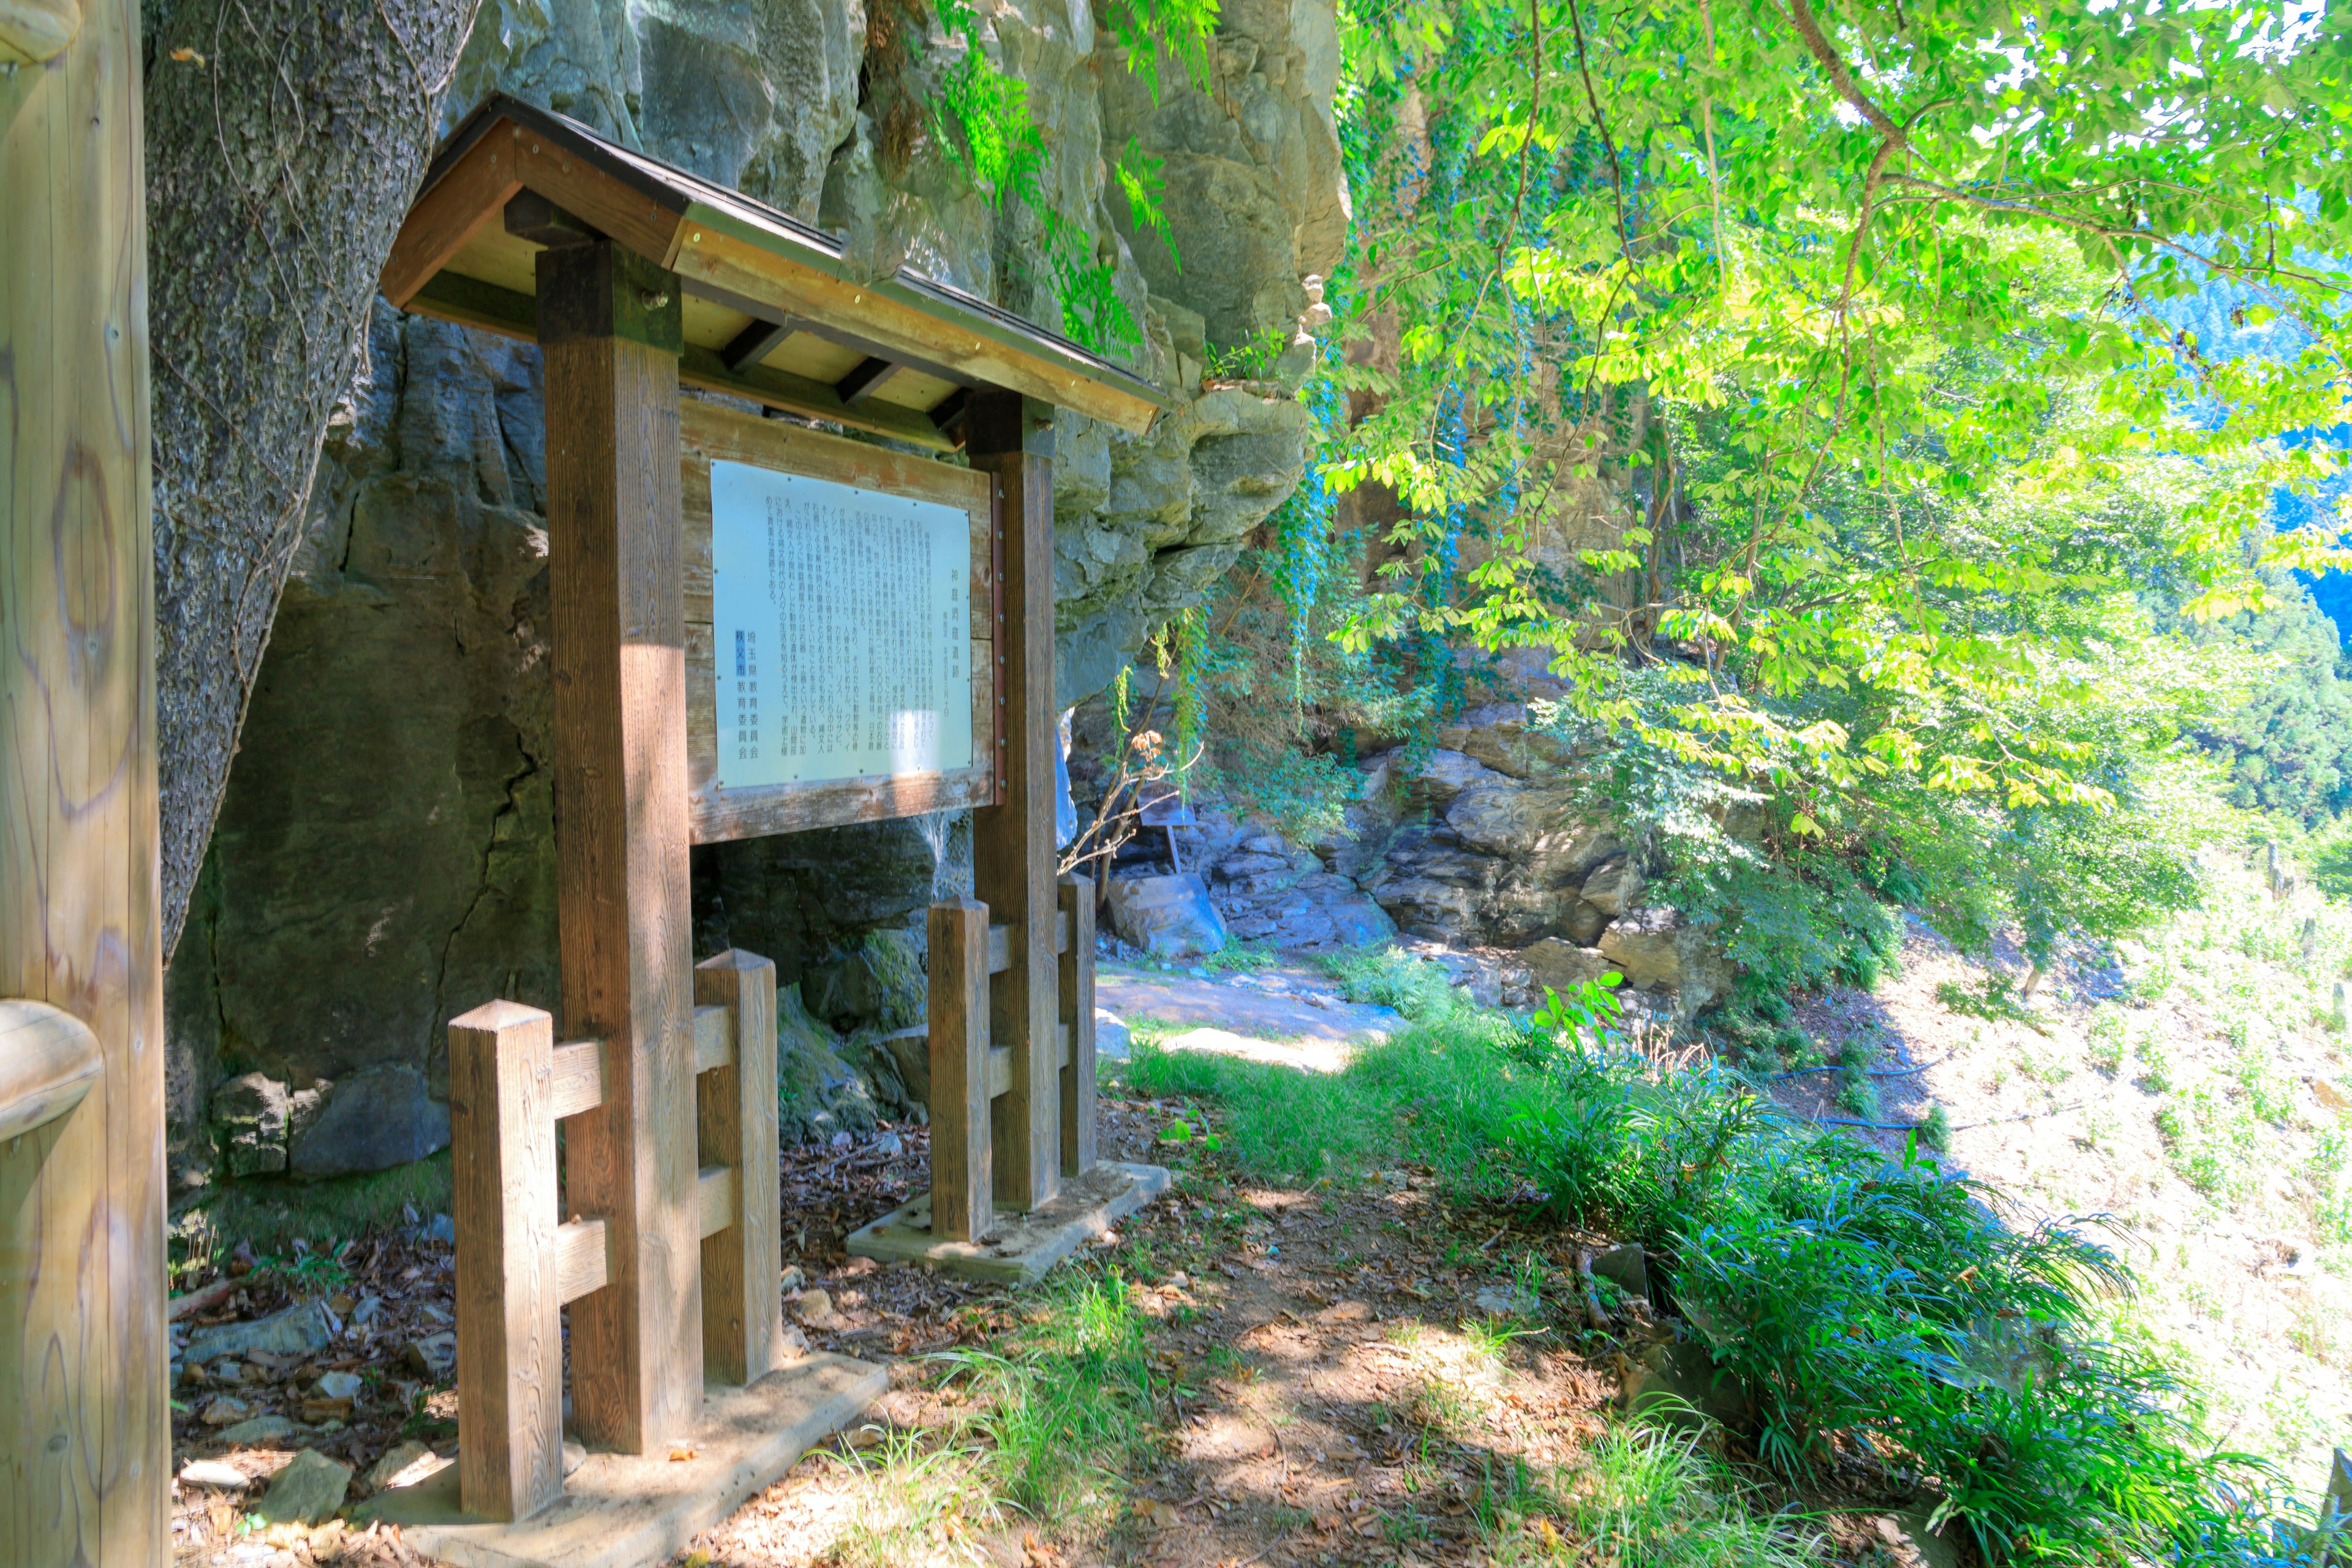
{"type": "Point", "coordinates": [85, 1433]}
{"type": "Point", "coordinates": [1013, 841]}
{"type": "Point", "coordinates": [742, 1307]}
{"type": "Point", "coordinates": [1077, 1009]}
{"type": "Point", "coordinates": [960, 1136]}
{"type": "Point", "coordinates": [609, 324]}
{"type": "Point", "coordinates": [502, 1196]}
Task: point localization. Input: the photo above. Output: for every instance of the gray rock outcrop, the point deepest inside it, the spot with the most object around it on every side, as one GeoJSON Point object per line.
{"type": "Point", "coordinates": [384, 855]}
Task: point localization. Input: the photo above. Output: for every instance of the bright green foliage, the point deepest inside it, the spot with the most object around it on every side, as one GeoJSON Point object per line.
{"type": "Point", "coordinates": [1810, 359]}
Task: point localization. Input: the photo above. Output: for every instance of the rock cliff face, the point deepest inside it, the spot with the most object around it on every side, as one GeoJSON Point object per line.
{"type": "Point", "coordinates": [384, 855]}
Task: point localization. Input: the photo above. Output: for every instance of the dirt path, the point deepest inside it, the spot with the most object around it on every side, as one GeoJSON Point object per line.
{"type": "Point", "coordinates": [1323, 1403]}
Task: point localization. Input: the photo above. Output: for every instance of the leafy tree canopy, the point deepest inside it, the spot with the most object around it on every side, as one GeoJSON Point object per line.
{"type": "Point", "coordinates": [1814, 355]}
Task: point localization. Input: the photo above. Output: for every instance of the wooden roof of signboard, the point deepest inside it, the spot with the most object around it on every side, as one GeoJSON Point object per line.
{"type": "Point", "coordinates": [772, 312]}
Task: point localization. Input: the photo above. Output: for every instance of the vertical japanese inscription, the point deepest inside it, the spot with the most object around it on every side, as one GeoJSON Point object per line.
{"type": "Point", "coordinates": [843, 625]}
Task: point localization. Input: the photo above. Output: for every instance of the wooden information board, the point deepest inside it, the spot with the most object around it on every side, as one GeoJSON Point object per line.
{"type": "Point", "coordinates": [816, 673]}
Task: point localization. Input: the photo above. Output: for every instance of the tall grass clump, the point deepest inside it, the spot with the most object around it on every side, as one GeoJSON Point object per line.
{"type": "Point", "coordinates": [1872, 1306]}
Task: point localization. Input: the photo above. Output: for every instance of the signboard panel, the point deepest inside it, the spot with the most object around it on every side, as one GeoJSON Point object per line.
{"type": "Point", "coordinates": [843, 625]}
{"type": "Point", "coordinates": [840, 599]}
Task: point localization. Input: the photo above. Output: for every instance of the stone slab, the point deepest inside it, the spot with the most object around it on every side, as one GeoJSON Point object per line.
{"type": "Point", "coordinates": [622, 1511]}
{"type": "Point", "coordinates": [1021, 1247]}
{"type": "Point", "coordinates": [1242, 1004]}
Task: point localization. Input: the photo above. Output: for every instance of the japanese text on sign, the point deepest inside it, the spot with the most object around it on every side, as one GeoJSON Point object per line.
{"type": "Point", "coordinates": [843, 627]}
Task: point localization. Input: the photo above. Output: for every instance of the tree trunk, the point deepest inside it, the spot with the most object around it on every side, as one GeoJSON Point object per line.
{"type": "Point", "coordinates": [286, 139]}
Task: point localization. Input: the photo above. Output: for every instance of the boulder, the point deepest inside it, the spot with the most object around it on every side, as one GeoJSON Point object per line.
{"type": "Point", "coordinates": [310, 1487]}
{"type": "Point", "coordinates": [261, 1432]}
{"type": "Point", "coordinates": [373, 1120]}
{"type": "Point", "coordinates": [820, 1093]}
{"type": "Point", "coordinates": [1443, 775]}
{"type": "Point", "coordinates": [880, 984]}
{"type": "Point", "coordinates": [1656, 950]}
{"type": "Point", "coordinates": [1113, 1039]}
{"type": "Point", "coordinates": [251, 1111]}
{"type": "Point", "coordinates": [1563, 965]}
{"type": "Point", "coordinates": [1582, 923]}
{"type": "Point", "coordinates": [1614, 886]}
{"type": "Point", "coordinates": [1679, 1384]}
{"type": "Point", "coordinates": [299, 1332]}
{"type": "Point", "coordinates": [395, 1465]}
{"type": "Point", "coordinates": [1500, 737]}
{"type": "Point", "coordinates": [1165, 916]}
{"type": "Point", "coordinates": [217, 1474]}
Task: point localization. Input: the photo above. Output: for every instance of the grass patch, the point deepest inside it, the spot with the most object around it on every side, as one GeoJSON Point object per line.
{"type": "Point", "coordinates": [1658, 1499]}
{"type": "Point", "coordinates": [1049, 1426]}
{"type": "Point", "coordinates": [274, 1213]}
{"type": "Point", "coordinates": [1867, 1304]}
{"type": "Point", "coordinates": [1392, 977]}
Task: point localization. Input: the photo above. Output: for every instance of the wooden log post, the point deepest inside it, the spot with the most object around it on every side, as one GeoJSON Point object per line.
{"type": "Point", "coordinates": [1077, 1009]}
{"type": "Point", "coordinates": [509, 1325]}
{"type": "Point", "coordinates": [1012, 438]}
{"type": "Point", "coordinates": [742, 1308]}
{"type": "Point", "coordinates": [962, 1179]}
{"type": "Point", "coordinates": [610, 325]}
{"type": "Point", "coordinates": [85, 1422]}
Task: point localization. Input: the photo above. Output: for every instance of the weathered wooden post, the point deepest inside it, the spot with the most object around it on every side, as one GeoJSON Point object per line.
{"type": "Point", "coordinates": [610, 326]}
{"type": "Point", "coordinates": [85, 1435]}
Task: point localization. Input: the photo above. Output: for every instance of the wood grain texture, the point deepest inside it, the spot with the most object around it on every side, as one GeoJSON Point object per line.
{"type": "Point", "coordinates": [1076, 898]}
{"type": "Point", "coordinates": [509, 1306]}
{"type": "Point", "coordinates": [84, 1418]}
{"type": "Point", "coordinates": [710, 433]}
{"type": "Point", "coordinates": [715, 1207]}
{"type": "Point", "coordinates": [583, 1261]}
{"type": "Point", "coordinates": [579, 1078]}
{"type": "Point", "coordinates": [50, 1061]}
{"type": "Point", "coordinates": [457, 206]}
{"type": "Point", "coordinates": [619, 680]}
{"type": "Point", "coordinates": [1012, 842]}
{"type": "Point", "coordinates": [743, 1258]}
{"type": "Point", "coordinates": [962, 1144]}
{"type": "Point", "coordinates": [714, 1031]}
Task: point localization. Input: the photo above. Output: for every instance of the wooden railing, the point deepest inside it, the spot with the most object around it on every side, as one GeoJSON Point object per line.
{"type": "Point", "coordinates": [520, 1261]}
{"type": "Point", "coordinates": [969, 1072]}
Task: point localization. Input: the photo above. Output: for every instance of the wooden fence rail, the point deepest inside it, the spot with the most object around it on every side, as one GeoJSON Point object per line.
{"type": "Point", "coordinates": [970, 1072]}
{"type": "Point", "coordinates": [521, 1262]}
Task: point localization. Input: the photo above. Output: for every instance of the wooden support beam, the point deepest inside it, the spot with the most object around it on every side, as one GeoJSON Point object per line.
{"type": "Point", "coordinates": [609, 325]}
{"type": "Point", "coordinates": [532, 216]}
{"type": "Point", "coordinates": [502, 1196]}
{"type": "Point", "coordinates": [584, 1259]}
{"type": "Point", "coordinates": [714, 1035]}
{"type": "Point", "coordinates": [1012, 438]}
{"type": "Point", "coordinates": [1076, 897]}
{"type": "Point", "coordinates": [579, 1078]}
{"type": "Point", "coordinates": [1000, 1061]}
{"type": "Point", "coordinates": [85, 1411]}
{"type": "Point", "coordinates": [742, 1237]}
{"type": "Point", "coordinates": [960, 1095]}
{"type": "Point", "coordinates": [999, 942]}
{"type": "Point", "coordinates": [754, 343]}
{"type": "Point", "coordinates": [717, 1205]}
{"type": "Point", "coordinates": [949, 411]}
{"type": "Point", "coordinates": [866, 378]}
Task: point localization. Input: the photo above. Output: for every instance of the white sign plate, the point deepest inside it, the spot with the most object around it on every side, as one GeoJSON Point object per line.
{"type": "Point", "coordinates": [842, 623]}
